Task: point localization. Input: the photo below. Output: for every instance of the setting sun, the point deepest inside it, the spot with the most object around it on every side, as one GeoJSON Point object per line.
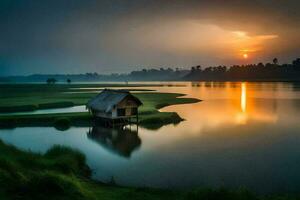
{"type": "Point", "coordinates": [245, 56]}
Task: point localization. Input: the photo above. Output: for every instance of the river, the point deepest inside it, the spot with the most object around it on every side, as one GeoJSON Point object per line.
{"type": "Point", "coordinates": [241, 134]}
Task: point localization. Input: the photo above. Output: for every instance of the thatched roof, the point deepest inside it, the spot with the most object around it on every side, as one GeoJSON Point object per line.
{"type": "Point", "coordinates": [107, 99]}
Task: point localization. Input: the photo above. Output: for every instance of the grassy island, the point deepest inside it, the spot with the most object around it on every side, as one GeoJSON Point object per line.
{"type": "Point", "coordinates": [41, 96]}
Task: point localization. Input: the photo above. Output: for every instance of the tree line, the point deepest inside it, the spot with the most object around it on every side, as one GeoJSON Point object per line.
{"type": "Point", "coordinates": [253, 72]}
{"type": "Point", "coordinates": [272, 71]}
{"type": "Point", "coordinates": [152, 74]}
{"type": "Point", "coordinates": [53, 81]}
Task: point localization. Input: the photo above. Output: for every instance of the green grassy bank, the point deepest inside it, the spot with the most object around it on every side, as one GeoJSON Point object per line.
{"type": "Point", "coordinates": [62, 173]}
{"type": "Point", "coordinates": [38, 96]}
{"type": "Point", "coordinates": [43, 96]}
{"type": "Point", "coordinates": [149, 116]}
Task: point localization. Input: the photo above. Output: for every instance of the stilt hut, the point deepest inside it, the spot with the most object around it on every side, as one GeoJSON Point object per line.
{"type": "Point", "coordinates": [114, 106]}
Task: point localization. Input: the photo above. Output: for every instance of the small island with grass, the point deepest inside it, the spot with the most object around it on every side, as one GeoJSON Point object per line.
{"type": "Point", "coordinates": [43, 96]}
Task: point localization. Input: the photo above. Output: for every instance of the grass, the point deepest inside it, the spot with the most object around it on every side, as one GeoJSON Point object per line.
{"type": "Point", "coordinates": [62, 173]}
{"type": "Point", "coordinates": [62, 104]}
{"type": "Point", "coordinates": [45, 120]}
{"type": "Point", "coordinates": [34, 94]}
{"type": "Point", "coordinates": [22, 108]}
{"type": "Point", "coordinates": [62, 123]}
{"type": "Point", "coordinates": [151, 117]}
{"type": "Point", "coordinates": [18, 108]}
{"type": "Point", "coordinates": [40, 96]}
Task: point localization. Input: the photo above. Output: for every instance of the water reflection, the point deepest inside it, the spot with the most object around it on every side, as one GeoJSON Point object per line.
{"type": "Point", "coordinates": [242, 115]}
{"type": "Point", "coordinates": [263, 110]}
{"type": "Point", "coordinates": [243, 97]}
{"type": "Point", "coordinates": [235, 104]}
{"type": "Point", "coordinates": [121, 140]}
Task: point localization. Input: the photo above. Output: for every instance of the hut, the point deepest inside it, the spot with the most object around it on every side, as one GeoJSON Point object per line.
{"type": "Point", "coordinates": [114, 106]}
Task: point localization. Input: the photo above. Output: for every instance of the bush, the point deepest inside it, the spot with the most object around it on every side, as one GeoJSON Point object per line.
{"type": "Point", "coordinates": [163, 118]}
{"type": "Point", "coordinates": [8, 165]}
{"type": "Point", "coordinates": [23, 108]}
{"type": "Point", "coordinates": [58, 174]}
{"type": "Point", "coordinates": [161, 105]}
{"type": "Point", "coordinates": [68, 160]}
{"type": "Point", "coordinates": [50, 185]}
{"type": "Point", "coordinates": [62, 124]}
{"type": "Point", "coordinates": [8, 123]}
{"type": "Point", "coordinates": [56, 105]}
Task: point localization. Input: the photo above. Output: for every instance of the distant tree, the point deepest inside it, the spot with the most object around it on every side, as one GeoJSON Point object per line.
{"type": "Point", "coordinates": [296, 62]}
{"type": "Point", "coordinates": [193, 69]}
{"type": "Point", "coordinates": [260, 65]}
{"type": "Point", "coordinates": [275, 61]}
{"type": "Point", "coordinates": [268, 65]}
{"type": "Point", "coordinates": [69, 81]}
{"type": "Point", "coordinates": [208, 69]}
{"type": "Point", "coordinates": [51, 81]}
{"type": "Point", "coordinates": [170, 69]}
{"type": "Point", "coordinates": [198, 68]}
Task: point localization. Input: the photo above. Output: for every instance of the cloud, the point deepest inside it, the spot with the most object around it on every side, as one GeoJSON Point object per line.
{"type": "Point", "coordinates": [121, 35]}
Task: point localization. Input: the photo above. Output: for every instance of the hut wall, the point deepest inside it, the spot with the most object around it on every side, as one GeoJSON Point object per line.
{"type": "Point", "coordinates": [114, 113]}
{"type": "Point", "coordinates": [128, 107]}
{"type": "Point", "coordinates": [128, 104]}
{"type": "Point", "coordinates": [102, 114]}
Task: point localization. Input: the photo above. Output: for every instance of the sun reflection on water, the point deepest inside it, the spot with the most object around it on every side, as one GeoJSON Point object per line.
{"type": "Point", "coordinates": [226, 104]}
{"type": "Point", "coordinates": [242, 116]}
{"type": "Point", "coordinates": [244, 97]}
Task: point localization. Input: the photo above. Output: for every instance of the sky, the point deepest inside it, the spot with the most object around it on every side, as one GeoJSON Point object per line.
{"type": "Point", "coordinates": [118, 36]}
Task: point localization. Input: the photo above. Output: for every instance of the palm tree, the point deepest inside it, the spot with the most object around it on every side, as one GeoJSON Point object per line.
{"type": "Point", "coordinates": [275, 61]}
{"type": "Point", "coordinates": [51, 80]}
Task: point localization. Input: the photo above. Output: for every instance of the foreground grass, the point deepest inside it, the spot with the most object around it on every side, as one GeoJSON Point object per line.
{"type": "Point", "coordinates": [20, 98]}
{"type": "Point", "coordinates": [62, 173]}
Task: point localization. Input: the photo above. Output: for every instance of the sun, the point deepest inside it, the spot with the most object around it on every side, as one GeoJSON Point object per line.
{"type": "Point", "coordinates": [245, 55]}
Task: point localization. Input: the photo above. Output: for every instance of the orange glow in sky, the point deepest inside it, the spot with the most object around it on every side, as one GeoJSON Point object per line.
{"type": "Point", "coordinates": [189, 37]}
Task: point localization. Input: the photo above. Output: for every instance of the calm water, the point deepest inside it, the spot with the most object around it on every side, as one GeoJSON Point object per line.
{"type": "Point", "coordinates": [241, 134]}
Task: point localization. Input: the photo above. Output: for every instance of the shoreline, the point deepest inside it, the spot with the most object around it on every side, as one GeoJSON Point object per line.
{"type": "Point", "coordinates": [62, 173]}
